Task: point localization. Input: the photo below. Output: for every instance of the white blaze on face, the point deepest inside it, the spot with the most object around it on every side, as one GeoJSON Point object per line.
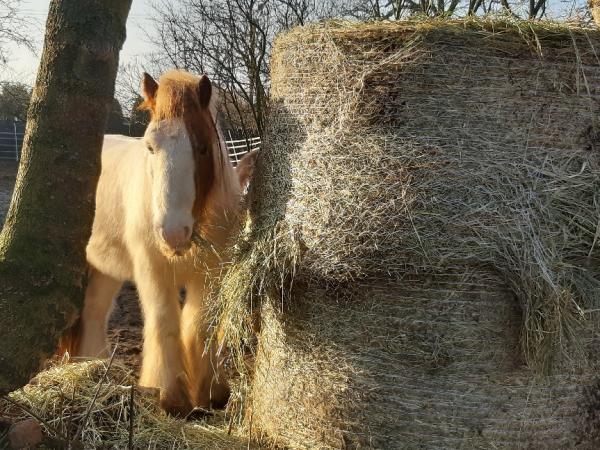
{"type": "Point", "coordinates": [173, 188]}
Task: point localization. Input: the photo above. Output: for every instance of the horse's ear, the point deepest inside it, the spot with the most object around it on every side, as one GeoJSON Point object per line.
{"type": "Point", "coordinates": [204, 91]}
{"type": "Point", "coordinates": [149, 87]}
{"type": "Point", "coordinates": [245, 168]}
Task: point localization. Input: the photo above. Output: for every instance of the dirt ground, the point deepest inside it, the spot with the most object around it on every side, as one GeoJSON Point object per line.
{"type": "Point", "coordinates": [125, 326]}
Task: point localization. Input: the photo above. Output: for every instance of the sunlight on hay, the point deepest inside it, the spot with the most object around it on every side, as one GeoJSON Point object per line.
{"type": "Point", "coordinates": [61, 396]}
{"type": "Point", "coordinates": [415, 146]}
{"type": "Point", "coordinates": [262, 271]}
{"type": "Point", "coordinates": [411, 150]}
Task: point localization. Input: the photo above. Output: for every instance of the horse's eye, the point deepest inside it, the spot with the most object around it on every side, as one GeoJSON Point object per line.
{"type": "Point", "coordinates": [149, 147]}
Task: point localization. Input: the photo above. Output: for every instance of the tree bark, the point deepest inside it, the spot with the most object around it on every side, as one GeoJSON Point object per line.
{"type": "Point", "coordinates": [42, 245]}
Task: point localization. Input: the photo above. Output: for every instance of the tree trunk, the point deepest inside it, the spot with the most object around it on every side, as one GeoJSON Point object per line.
{"type": "Point", "coordinates": [42, 245]}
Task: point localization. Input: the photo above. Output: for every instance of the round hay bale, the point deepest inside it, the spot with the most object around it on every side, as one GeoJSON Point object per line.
{"type": "Point", "coordinates": [462, 151]}
{"type": "Point", "coordinates": [415, 364]}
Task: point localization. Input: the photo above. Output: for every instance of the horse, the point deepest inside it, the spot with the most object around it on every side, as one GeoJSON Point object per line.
{"type": "Point", "coordinates": [156, 197]}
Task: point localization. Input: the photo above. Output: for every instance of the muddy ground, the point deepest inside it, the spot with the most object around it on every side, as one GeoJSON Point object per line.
{"type": "Point", "coordinates": [125, 327]}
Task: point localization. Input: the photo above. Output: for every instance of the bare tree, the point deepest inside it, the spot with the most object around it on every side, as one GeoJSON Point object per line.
{"type": "Point", "coordinates": [227, 39]}
{"type": "Point", "coordinates": [537, 8]}
{"type": "Point", "coordinates": [13, 27]}
{"type": "Point", "coordinates": [399, 9]}
{"type": "Point", "coordinates": [127, 88]}
{"type": "Point", "coordinates": [230, 40]}
{"type": "Point", "coordinates": [127, 92]}
{"type": "Point", "coordinates": [291, 13]}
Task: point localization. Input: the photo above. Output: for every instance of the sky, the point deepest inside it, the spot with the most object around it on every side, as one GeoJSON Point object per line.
{"type": "Point", "coordinates": [23, 64]}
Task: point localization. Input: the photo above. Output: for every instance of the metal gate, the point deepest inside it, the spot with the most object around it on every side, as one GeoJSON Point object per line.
{"type": "Point", "coordinates": [11, 140]}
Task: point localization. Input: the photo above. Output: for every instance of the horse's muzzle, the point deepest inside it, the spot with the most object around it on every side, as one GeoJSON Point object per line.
{"type": "Point", "coordinates": [177, 239]}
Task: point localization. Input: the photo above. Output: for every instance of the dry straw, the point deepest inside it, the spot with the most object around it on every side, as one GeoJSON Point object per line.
{"type": "Point", "coordinates": [433, 189]}
{"type": "Point", "coordinates": [89, 405]}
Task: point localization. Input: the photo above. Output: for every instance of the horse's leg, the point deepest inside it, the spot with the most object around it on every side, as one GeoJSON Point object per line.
{"type": "Point", "coordinates": [207, 378]}
{"type": "Point", "coordinates": [163, 362]}
{"type": "Point", "coordinates": [88, 336]}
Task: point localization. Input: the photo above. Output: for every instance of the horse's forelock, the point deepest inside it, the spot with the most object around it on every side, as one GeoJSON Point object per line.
{"type": "Point", "coordinates": [177, 98]}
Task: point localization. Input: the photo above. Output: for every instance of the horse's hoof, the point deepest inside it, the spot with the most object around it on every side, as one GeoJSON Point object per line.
{"type": "Point", "coordinates": [175, 401]}
{"type": "Point", "coordinates": [176, 406]}
{"type": "Point", "coordinates": [199, 414]}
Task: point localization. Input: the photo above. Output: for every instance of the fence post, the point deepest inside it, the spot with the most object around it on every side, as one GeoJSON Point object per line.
{"type": "Point", "coordinates": [16, 140]}
{"type": "Point", "coordinates": [234, 150]}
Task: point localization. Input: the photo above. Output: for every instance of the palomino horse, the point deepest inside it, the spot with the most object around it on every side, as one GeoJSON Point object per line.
{"type": "Point", "coordinates": [155, 197]}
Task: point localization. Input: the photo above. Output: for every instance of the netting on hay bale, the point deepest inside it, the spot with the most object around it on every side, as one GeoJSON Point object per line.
{"type": "Point", "coordinates": [432, 189]}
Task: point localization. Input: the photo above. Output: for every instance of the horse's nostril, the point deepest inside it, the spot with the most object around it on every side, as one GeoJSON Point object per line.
{"type": "Point", "coordinates": [167, 237]}
{"type": "Point", "coordinates": [177, 237]}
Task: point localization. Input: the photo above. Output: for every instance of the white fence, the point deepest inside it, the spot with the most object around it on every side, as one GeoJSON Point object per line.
{"type": "Point", "coordinates": [10, 146]}
{"type": "Point", "coordinates": [240, 147]}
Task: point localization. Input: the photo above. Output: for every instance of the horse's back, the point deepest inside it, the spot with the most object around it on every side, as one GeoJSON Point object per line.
{"type": "Point", "coordinates": [117, 146]}
{"type": "Point", "coordinates": [107, 249]}
{"type": "Point", "coordinates": [111, 140]}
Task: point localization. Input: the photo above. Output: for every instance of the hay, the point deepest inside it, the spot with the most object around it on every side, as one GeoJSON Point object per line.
{"type": "Point", "coordinates": [62, 396]}
{"type": "Point", "coordinates": [594, 8]}
{"type": "Point", "coordinates": [403, 365]}
{"type": "Point", "coordinates": [431, 145]}
{"type": "Point", "coordinates": [407, 151]}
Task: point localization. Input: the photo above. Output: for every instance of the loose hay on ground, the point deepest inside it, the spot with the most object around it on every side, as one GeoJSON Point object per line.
{"type": "Point", "coordinates": [403, 152]}
{"type": "Point", "coordinates": [62, 396]}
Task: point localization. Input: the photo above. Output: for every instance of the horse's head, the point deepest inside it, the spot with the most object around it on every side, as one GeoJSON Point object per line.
{"type": "Point", "coordinates": [183, 149]}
